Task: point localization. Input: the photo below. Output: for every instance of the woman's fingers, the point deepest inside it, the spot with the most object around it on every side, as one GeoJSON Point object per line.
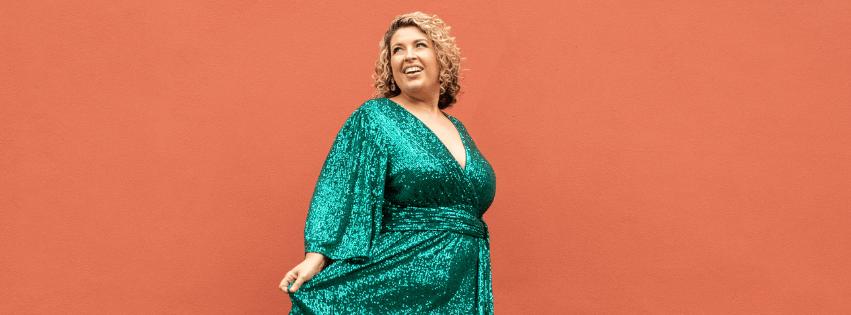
{"type": "Point", "coordinates": [289, 278]}
{"type": "Point", "coordinates": [297, 284]}
{"type": "Point", "coordinates": [300, 274]}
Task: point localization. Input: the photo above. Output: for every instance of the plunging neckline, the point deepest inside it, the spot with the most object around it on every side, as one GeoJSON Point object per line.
{"type": "Point", "coordinates": [445, 148]}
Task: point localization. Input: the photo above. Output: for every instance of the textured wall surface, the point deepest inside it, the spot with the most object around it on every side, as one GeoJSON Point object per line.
{"type": "Point", "coordinates": [652, 157]}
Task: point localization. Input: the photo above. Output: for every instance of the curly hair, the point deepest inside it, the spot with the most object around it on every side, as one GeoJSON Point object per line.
{"type": "Point", "coordinates": [448, 56]}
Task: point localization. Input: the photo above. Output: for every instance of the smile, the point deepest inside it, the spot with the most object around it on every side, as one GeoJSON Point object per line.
{"type": "Point", "coordinates": [413, 70]}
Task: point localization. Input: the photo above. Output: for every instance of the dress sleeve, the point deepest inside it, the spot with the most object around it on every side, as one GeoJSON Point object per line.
{"type": "Point", "coordinates": [345, 210]}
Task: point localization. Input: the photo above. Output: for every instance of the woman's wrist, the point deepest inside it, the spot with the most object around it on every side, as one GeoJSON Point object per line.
{"type": "Point", "coordinates": [313, 255]}
{"type": "Point", "coordinates": [317, 257]}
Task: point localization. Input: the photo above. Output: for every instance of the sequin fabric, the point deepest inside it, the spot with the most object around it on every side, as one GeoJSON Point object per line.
{"type": "Point", "coordinates": [401, 219]}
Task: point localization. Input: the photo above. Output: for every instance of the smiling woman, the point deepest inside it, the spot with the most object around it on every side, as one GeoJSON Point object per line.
{"type": "Point", "coordinates": [395, 223]}
{"type": "Point", "coordinates": [434, 34]}
{"type": "Point", "coordinates": [413, 61]}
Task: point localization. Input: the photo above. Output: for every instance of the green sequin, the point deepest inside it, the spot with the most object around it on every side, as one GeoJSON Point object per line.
{"type": "Point", "coordinates": [401, 219]}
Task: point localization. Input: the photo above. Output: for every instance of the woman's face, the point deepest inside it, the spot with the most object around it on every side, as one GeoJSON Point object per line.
{"type": "Point", "coordinates": [414, 62]}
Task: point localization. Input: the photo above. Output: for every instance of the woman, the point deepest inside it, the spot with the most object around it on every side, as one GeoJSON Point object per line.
{"type": "Point", "coordinates": [395, 223]}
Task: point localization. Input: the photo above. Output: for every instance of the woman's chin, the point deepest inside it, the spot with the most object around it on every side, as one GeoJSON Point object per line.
{"type": "Point", "coordinates": [411, 90]}
{"type": "Point", "coordinates": [414, 89]}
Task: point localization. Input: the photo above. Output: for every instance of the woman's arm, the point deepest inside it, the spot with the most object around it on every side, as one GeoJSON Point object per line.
{"type": "Point", "coordinates": [345, 210]}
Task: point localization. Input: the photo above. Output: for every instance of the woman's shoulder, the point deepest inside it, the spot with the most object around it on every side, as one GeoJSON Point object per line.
{"type": "Point", "coordinates": [375, 105]}
{"type": "Point", "coordinates": [371, 114]}
{"type": "Point", "coordinates": [373, 110]}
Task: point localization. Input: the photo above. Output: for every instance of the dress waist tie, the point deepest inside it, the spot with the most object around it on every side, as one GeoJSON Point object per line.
{"type": "Point", "coordinates": [455, 218]}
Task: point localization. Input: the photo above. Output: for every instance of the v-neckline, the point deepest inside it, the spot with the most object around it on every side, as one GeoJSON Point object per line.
{"type": "Point", "coordinates": [445, 148]}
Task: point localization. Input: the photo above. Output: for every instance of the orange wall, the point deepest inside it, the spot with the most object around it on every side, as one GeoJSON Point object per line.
{"type": "Point", "coordinates": [670, 157]}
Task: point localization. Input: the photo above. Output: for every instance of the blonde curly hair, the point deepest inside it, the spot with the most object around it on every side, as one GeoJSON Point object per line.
{"type": "Point", "coordinates": [448, 56]}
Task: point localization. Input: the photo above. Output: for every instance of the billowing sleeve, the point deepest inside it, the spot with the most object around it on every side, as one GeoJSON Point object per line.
{"type": "Point", "coordinates": [345, 210]}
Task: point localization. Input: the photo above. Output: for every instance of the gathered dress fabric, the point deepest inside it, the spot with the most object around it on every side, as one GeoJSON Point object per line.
{"type": "Point", "coordinates": [401, 220]}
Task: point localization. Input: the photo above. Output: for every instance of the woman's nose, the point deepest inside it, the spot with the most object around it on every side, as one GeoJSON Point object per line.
{"type": "Point", "coordinates": [409, 55]}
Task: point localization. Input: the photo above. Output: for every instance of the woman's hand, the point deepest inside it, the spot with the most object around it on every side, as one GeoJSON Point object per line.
{"type": "Point", "coordinates": [313, 263]}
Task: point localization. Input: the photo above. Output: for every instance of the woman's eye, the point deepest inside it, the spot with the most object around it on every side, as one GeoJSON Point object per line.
{"type": "Point", "coordinates": [396, 50]}
{"type": "Point", "coordinates": [422, 44]}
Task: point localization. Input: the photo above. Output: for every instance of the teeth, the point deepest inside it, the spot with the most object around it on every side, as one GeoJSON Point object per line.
{"type": "Point", "coordinates": [412, 69]}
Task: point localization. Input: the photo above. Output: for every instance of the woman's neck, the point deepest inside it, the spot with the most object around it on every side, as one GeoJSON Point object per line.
{"type": "Point", "coordinates": [425, 105]}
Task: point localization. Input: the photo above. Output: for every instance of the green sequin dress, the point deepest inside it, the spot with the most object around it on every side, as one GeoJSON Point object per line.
{"type": "Point", "coordinates": [401, 219]}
